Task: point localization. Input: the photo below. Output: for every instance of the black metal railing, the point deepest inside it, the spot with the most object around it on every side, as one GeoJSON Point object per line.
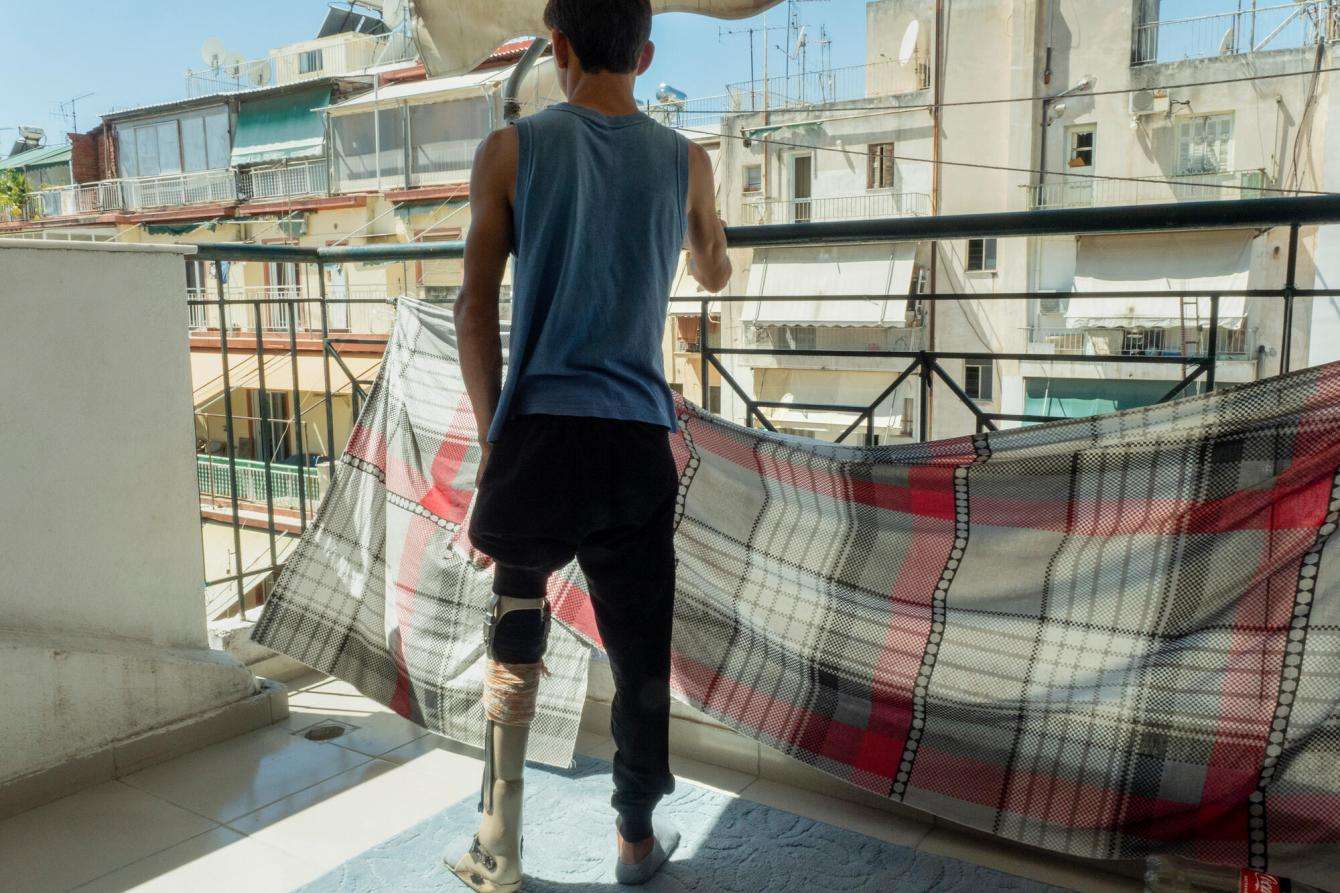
{"type": "Point", "coordinates": [925, 364]}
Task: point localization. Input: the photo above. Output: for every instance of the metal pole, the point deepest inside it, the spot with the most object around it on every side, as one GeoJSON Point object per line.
{"type": "Point", "coordinates": [870, 430]}
{"type": "Point", "coordinates": [297, 409]}
{"type": "Point", "coordinates": [1212, 353]}
{"type": "Point", "coordinates": [267, 434]}
{"type": "Point", "coordinates": [1290, 287]}
{"type": "Point", "coordinates": [325, 370]}
{"type": "Point", "coordinates": [228, 440]}
{"type": "Point", "coordinates": [923, 362]}
{"type": "Point", "coordinates": [703, 348]}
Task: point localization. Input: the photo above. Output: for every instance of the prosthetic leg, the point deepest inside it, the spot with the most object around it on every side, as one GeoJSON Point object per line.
{"type": "Point", "coordinates": [515, 634]}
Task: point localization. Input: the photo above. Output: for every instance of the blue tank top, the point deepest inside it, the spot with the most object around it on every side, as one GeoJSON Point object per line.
{"type": "Point", "coordinates": [599, 223]}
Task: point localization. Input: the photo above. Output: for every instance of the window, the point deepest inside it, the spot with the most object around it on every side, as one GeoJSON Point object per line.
{"type": "Point", "coordinates": [981, 255]}
{"type": "Point", "coordinates": [309, 61]}
{"type": "Point", "coordinates": [879, 166]}
{"type": "Point", "coordinates": [1081, 146]}
{"type": "Point", "coordinates": [444, 136]}
{"type": "Point", "coordinates": [1205, 144]}
{"type": "Point", "coordinates": [752, 178]}
{"type": "Point", "coordinates": [979, 379]}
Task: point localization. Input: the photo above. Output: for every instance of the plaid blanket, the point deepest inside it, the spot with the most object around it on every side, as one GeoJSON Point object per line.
{"type": "Point", "coordinates": [1109, 637]}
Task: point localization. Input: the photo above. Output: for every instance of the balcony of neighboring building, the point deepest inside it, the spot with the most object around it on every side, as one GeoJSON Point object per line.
{"type": "Point", "coordinates": [814, 88]}
{"type": "Point", "coordinates": [1178, 31]}
{"type": "Point", "coordinates": [331, 56]}
{"type": "Point", "coordinates": [867, 205]}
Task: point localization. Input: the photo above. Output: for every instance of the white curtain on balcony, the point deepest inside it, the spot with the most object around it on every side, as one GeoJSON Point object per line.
{"type": "Point", "coordinates": [869, 274]}
{"type": "Point", "coordinates": [1176, 262]}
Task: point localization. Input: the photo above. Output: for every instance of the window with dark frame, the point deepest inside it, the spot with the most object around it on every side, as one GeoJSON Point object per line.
{"type": "Point", "coordinates": [981, 255]}
{"type": "Point", "coordinates": [753, 178]}
{"type": "Point", "coordinates": [1082, 146]}
{"type": "Point", "coordinates": [979, 379]}
{"type": "Point", "coordinates": [879, 166]}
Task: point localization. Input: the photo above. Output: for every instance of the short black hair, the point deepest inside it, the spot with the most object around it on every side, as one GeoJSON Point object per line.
{"type": "Point", "coordinates": [606, 35]}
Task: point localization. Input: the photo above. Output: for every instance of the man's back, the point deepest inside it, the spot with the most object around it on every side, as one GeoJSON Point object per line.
{"type": "Point", "coordinates": [598, 222]}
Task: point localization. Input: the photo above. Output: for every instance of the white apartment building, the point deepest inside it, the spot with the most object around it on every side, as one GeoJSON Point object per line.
{"type": "Point", "coordinates": [1045, 104]}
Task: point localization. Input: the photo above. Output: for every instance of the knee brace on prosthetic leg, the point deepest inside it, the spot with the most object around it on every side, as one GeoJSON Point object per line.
{"type": "Point", "coordinates": [515, 634]}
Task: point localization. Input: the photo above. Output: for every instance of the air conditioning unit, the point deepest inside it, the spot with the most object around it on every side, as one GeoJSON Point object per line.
{"type": "Point", "coordinates": [1148, 102]}
{"type": "Point", "coordinates": [1051, 305]}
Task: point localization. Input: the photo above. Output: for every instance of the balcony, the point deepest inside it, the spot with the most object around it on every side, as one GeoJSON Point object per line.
{"type": "Point", "coordinates": [74, 201]}
{"type": "Point", "coordinates": [291, 789]}
{"type": "Point", "coordinates": [856, 206]}
{"type": "Point", "coordinates": [815, 88]}
{"type": "Point", "coordinates": [302, 179]}
{"type": "Point", "coordinates": [1154, 340]}
{"type": "Point", "coordinates": [333, 56]}
{"type": "Point", "coordinates": [1096, 192]}
{"type": "Point", "coordinates": [173, 190]}
{"type": "Point", "coordinates": [1279, 26]}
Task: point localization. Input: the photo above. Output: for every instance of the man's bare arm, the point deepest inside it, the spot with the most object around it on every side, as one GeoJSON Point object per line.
{"type": "Point", "coordinates": [492, 181]}
{"type": "Point", "coordinates": [708, 261]}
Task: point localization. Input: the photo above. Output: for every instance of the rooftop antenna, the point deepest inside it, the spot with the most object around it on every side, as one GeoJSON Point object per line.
{"type": "Point", "coordinates": [793, 25]}
{"type": "Point", "coordinates": [763, 30]}
{"type": "Point", "coordinates": [69, 112]}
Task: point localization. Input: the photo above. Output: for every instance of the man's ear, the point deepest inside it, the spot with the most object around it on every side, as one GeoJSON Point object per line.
{"type": "Point", "coordinates": [562, 49]}
{"type": "Point", "coordinates": [644, 61]}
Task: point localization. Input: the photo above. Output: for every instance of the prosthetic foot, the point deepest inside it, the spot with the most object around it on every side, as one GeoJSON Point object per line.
{"type": "Point", "coordinates": [515, 634]}
{"type": "Point", "coordinates": [493, 864]}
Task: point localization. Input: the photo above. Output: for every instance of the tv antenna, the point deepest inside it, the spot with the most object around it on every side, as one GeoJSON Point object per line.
{"type": "Point", "coordinates": [795, 34]}
{"type": "Point", "coordinates": [763, 30]}
{"type": "Point", "coordinates": [67, 110]}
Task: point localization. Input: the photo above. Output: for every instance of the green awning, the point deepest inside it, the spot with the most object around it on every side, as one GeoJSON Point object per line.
{"type": "Point", "coordinates": [753, 133]}
{"type": "Point", "coordinates": [40, 157]}
{"type": "Point", "coordinates": [280, 128]}
{"type": "Point", "coordinates": [1072, 398]}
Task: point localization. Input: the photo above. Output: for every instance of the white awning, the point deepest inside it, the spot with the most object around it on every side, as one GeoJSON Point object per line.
{"type": "Point", "coordinates": [870, 274]}
{"type": "Point", "coordinates": [431, 90]}
{"type": "Point", "coordinates": [455, 37]}
{"type": "Point", "coordinates": [1208, 261]}
{"type": "Point", "coordinates": [244, 372]}
{"type": "Point", "coordinates": [687, 288]}
{"type": "Point", "coordinates": [823, 419]}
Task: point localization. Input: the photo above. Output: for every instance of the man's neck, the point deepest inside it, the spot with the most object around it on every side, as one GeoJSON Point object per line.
{"type": "Point", "coordinates": [608, 94]}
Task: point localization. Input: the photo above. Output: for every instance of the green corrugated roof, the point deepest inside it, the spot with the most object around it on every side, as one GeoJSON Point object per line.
{"type": "Point", "coordinates": [38, 157]}
{"type": "Point", "coordinates": [280, 127]}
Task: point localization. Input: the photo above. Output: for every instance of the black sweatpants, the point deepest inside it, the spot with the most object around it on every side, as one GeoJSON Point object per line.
{"type": "Point", "coordinates": [602, 491]}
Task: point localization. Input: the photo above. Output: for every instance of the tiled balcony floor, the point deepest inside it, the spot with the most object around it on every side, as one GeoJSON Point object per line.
{"type": "Point", "coordinates": [271, 810]}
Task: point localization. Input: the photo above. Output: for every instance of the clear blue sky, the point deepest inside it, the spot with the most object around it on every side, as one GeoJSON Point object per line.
{"type": "Point", "coordinates": [133, 52]}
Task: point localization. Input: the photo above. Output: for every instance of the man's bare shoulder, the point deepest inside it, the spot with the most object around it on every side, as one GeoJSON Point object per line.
{"type": "Point", "coordinates": [496, 158]}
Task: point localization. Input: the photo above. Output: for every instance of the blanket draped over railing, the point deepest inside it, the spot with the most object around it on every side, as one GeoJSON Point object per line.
{"type": "Point", "coordinates": [1109, 637]}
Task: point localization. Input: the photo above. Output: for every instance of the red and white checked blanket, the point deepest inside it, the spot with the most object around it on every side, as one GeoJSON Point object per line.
{"type": "Point", "coordinates": [1109, 637]}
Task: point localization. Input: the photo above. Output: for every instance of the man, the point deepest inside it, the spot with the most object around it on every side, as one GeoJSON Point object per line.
{"type": "Point", "coordinates": [595, 200]}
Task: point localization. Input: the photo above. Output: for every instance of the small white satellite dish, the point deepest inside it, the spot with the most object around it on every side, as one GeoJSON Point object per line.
{"type": "Point", "coordinates": [908, 49]}
{"type": "Point", "coordinates": [214, 53]}
{"type": "Point", "coordinates": [1226, 45]}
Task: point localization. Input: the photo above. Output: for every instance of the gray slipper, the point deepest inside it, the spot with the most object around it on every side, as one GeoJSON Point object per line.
{"type": "Point", "coordinates": [665, 840]}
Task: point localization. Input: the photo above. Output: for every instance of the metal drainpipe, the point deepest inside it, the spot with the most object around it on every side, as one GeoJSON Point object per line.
{"type": "Point", "coordinates": [512, 105]}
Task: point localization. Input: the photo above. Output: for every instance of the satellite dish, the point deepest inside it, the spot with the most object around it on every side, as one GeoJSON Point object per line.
{"type": "Point", "coordinates": [908, 48]}
{"type": "Point", "coordinates": [214, 53]}
{"type": "Point", "coordinates": [1226, 46]}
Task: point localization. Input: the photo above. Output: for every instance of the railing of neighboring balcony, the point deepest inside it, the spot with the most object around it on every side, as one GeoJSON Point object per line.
{"type": "Point", "coordinates": [810, 88]}
{"type": "Point", "coordinates": [1154, 341]}
{"type": "Point", "coordinates": [916, 368]}
{"type": "Point", "coordinates": [1242, 30]}
{"type": "Point", "coordinates": [354, 53]}
{"type": "Point", "coordinates": [1085, 193]}
{"type": "Point", "coordinates": [857, 206]}
{"type": "Point", "coordinates": [302, 178]}
{"type": "Point", "coordinates": [698, 113]}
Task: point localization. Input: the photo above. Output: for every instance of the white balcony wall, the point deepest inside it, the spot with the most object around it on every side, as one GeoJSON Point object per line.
{"type": "Point", "coordinates": [103, 633]}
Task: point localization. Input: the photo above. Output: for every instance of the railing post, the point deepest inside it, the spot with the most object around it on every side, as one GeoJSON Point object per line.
{"type": "Point", "coordinates": [228, 440]}
{"type": "Point", "coordinates": [924, 369]}
{"type": "Point", "coordinates": [297, 404]}
{"type": "Point", "coordinates": [1212, 348]}
{"type": "Point", "coordinates": [1290, 288]}
{"type": "Point", "coordinates": [703, 347]}
{"type": "Point", "coordinates": [325, 370]}
{"type": "Point", "coordinates": [267, 434]}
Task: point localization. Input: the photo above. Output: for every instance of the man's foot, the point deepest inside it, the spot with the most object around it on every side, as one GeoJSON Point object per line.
{"type": "Point", "coordinates": [639, 860]}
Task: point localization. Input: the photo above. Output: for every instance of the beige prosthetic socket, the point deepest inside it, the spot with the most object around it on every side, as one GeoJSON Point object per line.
{"type": "Point", "coordinates": [493, 864]}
